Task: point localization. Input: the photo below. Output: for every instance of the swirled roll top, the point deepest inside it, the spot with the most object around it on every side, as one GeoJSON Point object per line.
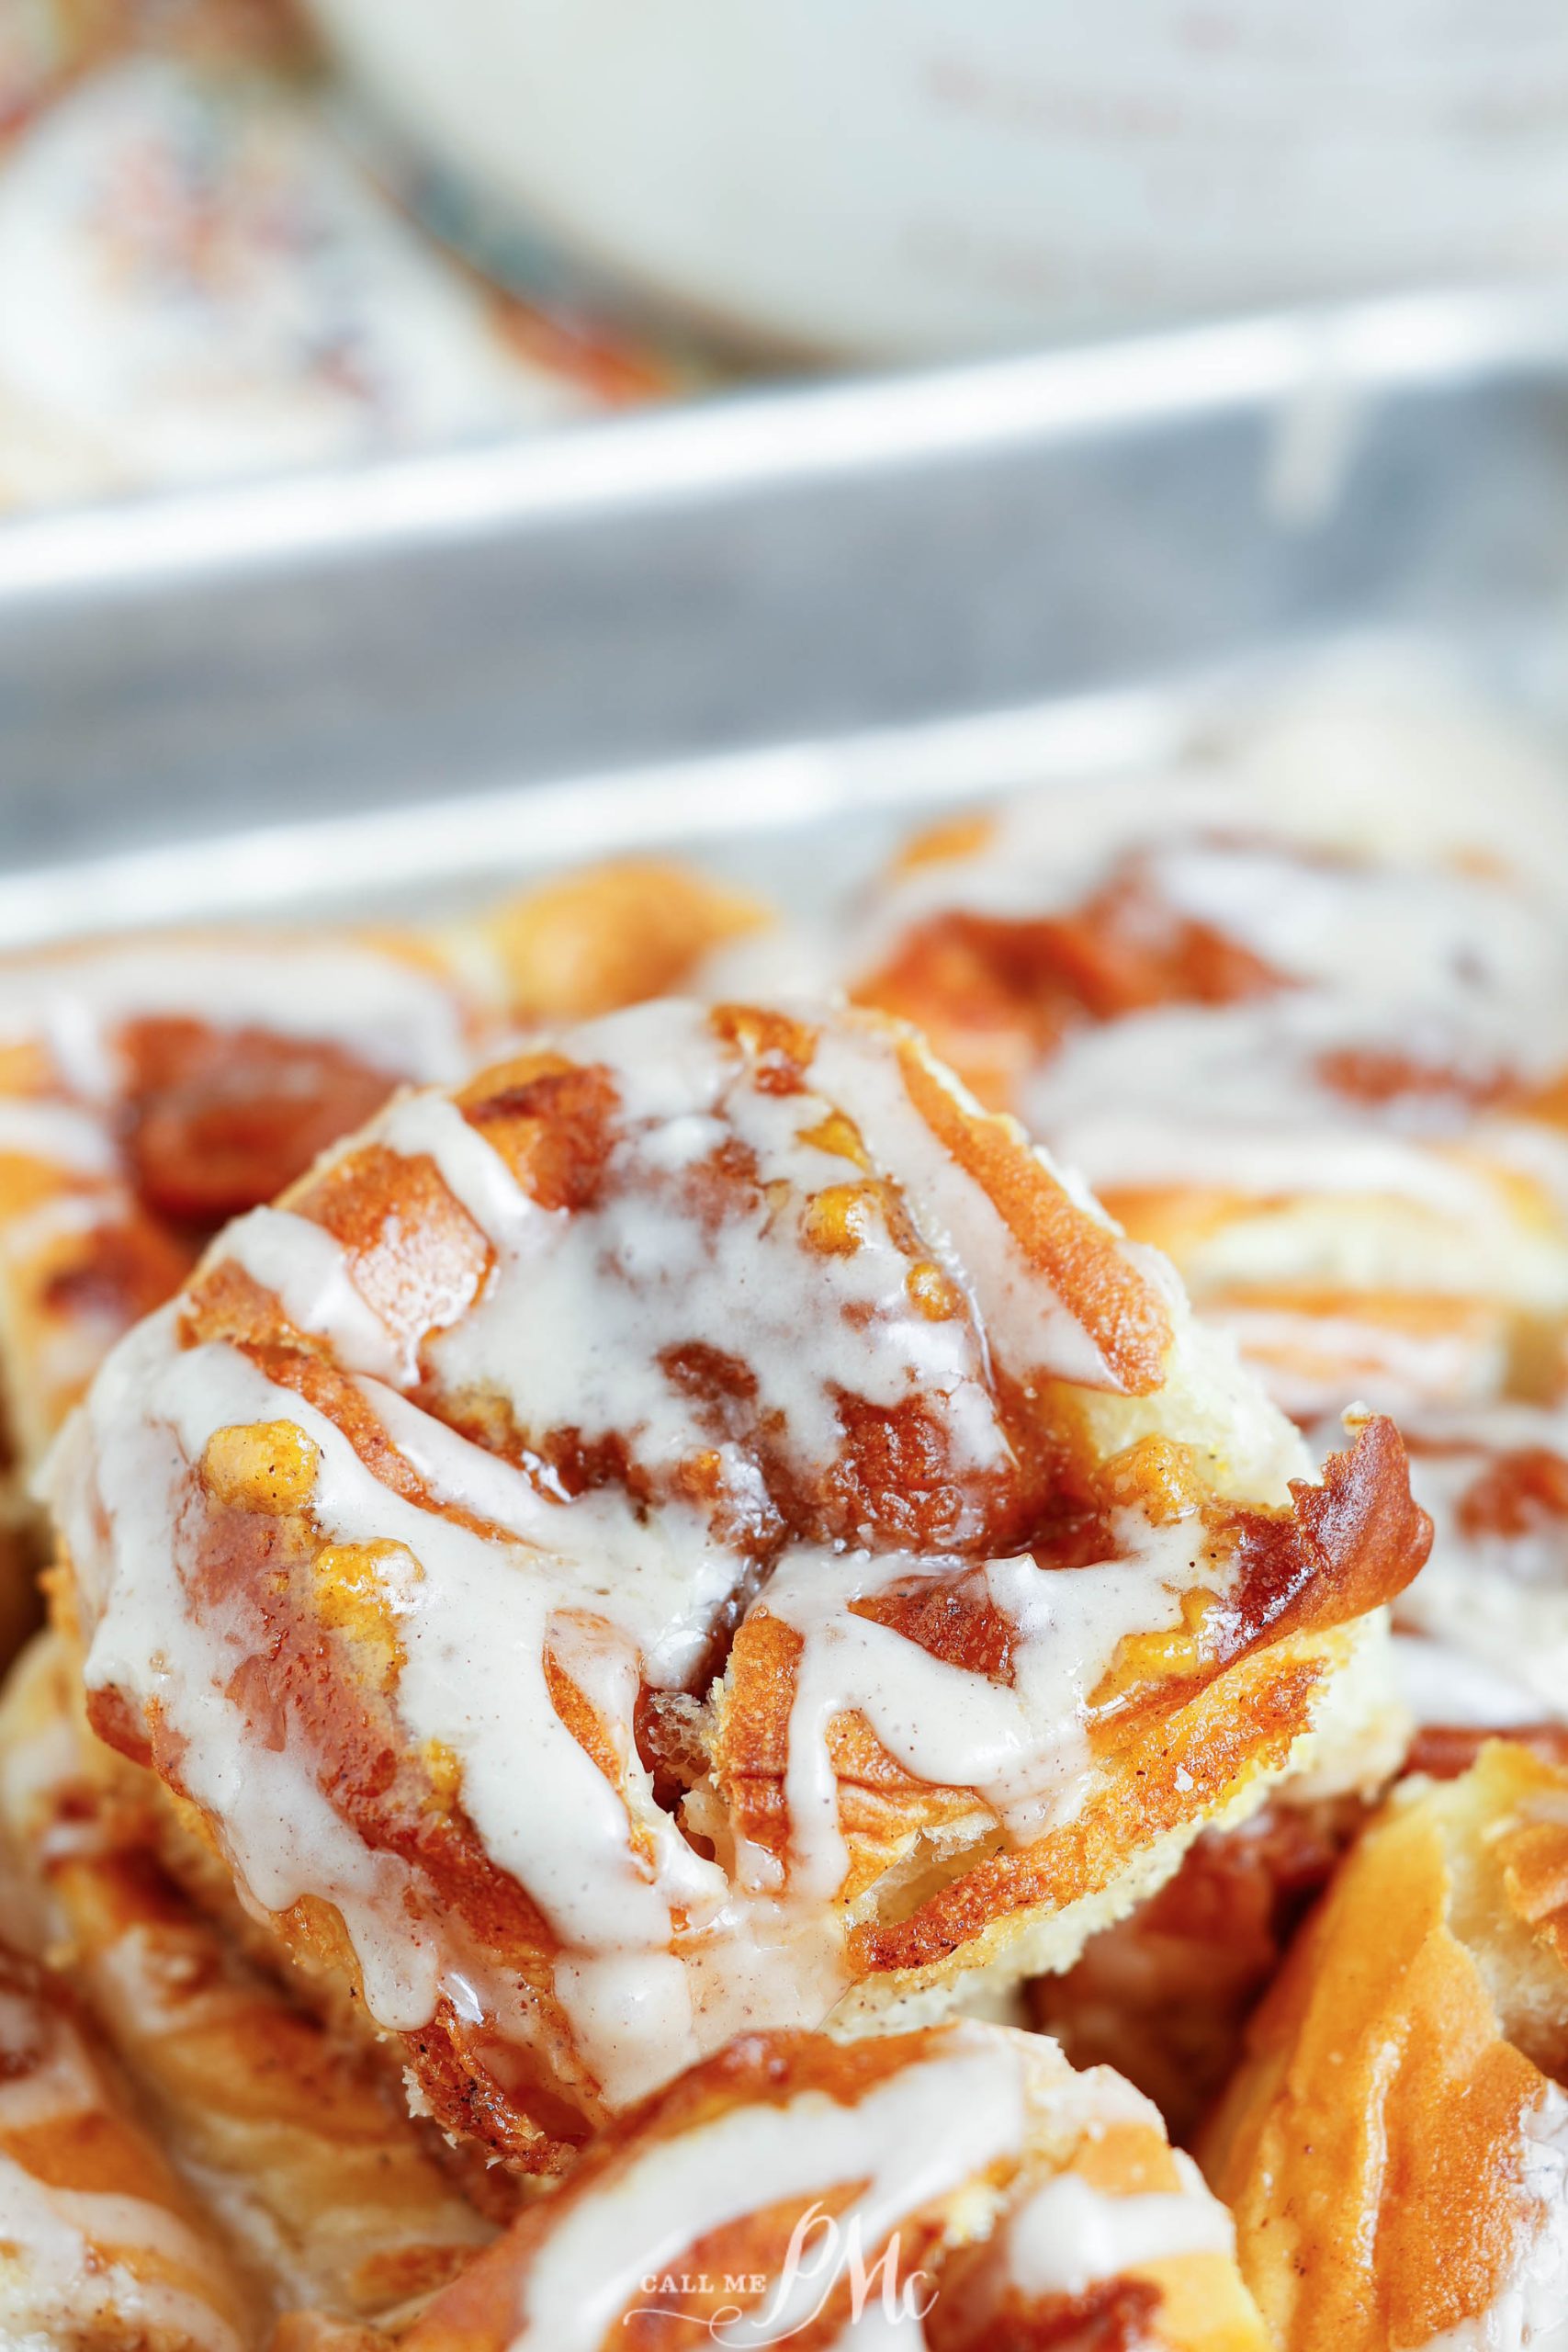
{"type": "Point", "coordinates": [955, 2190]}
{"type": "Point", "coordinates": [149, 1089]}
{"type": "Point", "coordinates": [153, 1086]}
{"type": "Point", "coordinates": [699, 1527]}
{"type": "Point", "coordinates": [1297, 1010]}
{"type": "Point", "coordinates": [321, 2185]}
{"type": "Point", "coordinates": [102, 2249]}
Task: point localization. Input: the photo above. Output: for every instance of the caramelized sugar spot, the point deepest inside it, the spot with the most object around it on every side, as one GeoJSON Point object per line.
{"type": "Point", "coordinates": [269, 1467]}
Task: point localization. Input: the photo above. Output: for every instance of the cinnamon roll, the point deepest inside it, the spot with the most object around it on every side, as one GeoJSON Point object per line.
{"type": "Point", "coordinates": [959, 2189]}
{"type": "Point", "coordinates": [149, 1089]}
{"type": "Point", "coordinates": [323, 2189]}
{"type": "Point", "coordinates": [1394, 2146]}
{"type": "Point", "coordinates": [102, 2247]}
{"type": "Point", "coordinates": [1480, 1648]}
{"type": "Point", "coordinates": [1299, 1012]}
{"type": "Point", "coordinates": [698, 1529]}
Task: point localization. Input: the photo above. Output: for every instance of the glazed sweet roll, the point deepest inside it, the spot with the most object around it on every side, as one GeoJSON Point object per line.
{"type": "Point", "coordinates": [959, 2189]}
{"type": "Point", "coordinates": [307, 2161]}
{"type": "Point", "coordinates": [1482, 1633]}
{"type": "Point", "coordinates": [102, 2247]}
{"type": "Point", "coordinates": [701, 1528]}
{"type": "Point", "coordinates": [1394, 2146]}
{"type": "Point", "coordinates": [151, 1089]}
{"type": "Point", "coordinates": [1480, 1647]}
{"type": "Point", "coordinates": [1298, 1010]}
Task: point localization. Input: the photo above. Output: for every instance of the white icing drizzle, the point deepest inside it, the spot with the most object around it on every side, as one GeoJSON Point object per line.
{"type": "Point", "coordinates": [476, 1177]}
{"type": "Point", "coordinates": [57, 1133]}
{"type": "Point", "coordinates": [1228, 1099]}
{"type": "Point", "coordinates": [1118, 1103]}
{"type": "Point", "coordinates": [978, 2105]}
{"type": "Point", "coordinates": [664, 1954]}
{"type": "Point", "coordinates": [1069, 2235]}
{"type": "Point", "coordinates": [76, 2261]}
{"type": "Point", "coordinates": [1391, 943]}
{"type": "Point", "coordinates": [1218, 844]}
{"type": "Point", "coordinates": [1020, 1746]}
{"type": "Point", "coordinates": [73, 1009]}
{"type": "Point", "coordinates": [1031, 1329]}
{"type": "Point", "coordinates": [912, 2138]}
{"type": "Point", "coordinates": [1313, 1361]}
{"type": "Point", "coordinates": [67, 1216]}
{"type": "Point", "coordinates": [1484, 1627]}
{"type": "Point", "coordinates": [387, 1012]}
{"type": "Point", "coordinates": [307, 1273]}
{"type": "Point", "coordinates": [612, 1289]}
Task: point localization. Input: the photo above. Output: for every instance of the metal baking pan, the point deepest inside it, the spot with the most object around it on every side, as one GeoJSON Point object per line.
{"type": "Point", "coordinates": [733, 626]}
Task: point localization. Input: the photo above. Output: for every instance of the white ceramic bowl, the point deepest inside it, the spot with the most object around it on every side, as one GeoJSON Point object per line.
{"type": "Point", "coordinates": [889, 177]}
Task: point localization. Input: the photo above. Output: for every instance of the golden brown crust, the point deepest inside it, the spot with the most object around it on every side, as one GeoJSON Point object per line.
{"type": "Point", "coordinates": [1180, 1741]}
{"type": "Point", "coordinates": [326, 2189]}
{"type": "Point", "coordinates": [182, 1111]}
{"type": "Point", "coordinates": [945, 2247]}
{"type": "Point", "coordinates": [1375, 2144]}
{"type": "Point", "coordinates": [1185, 989]}
{"type": "Point", "coordinates": [1183, 1722]}
{"type": "Point", "coordinates": [106, 2250]}
{"type": "Point", "coordinates": [613, 935]}
{"type": "Point", "coordinates": [1165, 1994]}
{"type": "Point", "coordinates": [1079, 1259]}
{"type": "Point", "coordinates": [997, 996]}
